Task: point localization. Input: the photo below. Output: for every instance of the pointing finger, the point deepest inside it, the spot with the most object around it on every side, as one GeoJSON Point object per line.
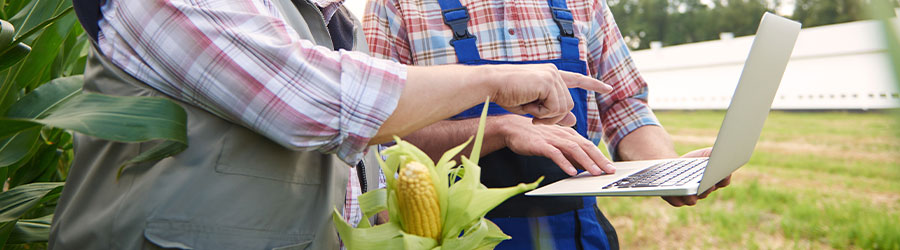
{"type": "Point", "coordinates": [575, 80]}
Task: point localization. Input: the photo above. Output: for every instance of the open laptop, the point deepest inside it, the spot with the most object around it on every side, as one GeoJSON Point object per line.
{"type": "Point", "coordinates": [737, 137]}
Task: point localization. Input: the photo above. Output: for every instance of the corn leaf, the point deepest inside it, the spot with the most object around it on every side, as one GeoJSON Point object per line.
{"type": "Point", "coordinates": [479, 137]}
{"type": "Point", "coordinates": [32, 230]}
{"type": "Point", "coordinates": [494, 237]}
{"type": "Point", "coordinates": [371, 203]}
{"type": "Point", "coordinates": [412, 241]}
{"type": "Point", "coordinates": [463, 202]}
{"type": "Point", "coordinates": [384, 236]}
{"type": "Point", "coordinates": [470, 238]}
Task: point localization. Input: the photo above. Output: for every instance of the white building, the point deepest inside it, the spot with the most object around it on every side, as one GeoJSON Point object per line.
{"type": "Point", "coordinates": [841, 66]}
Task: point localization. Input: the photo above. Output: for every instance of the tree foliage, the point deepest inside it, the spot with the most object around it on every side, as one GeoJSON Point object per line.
{"type": "Point", "coordinates": [675, 22]}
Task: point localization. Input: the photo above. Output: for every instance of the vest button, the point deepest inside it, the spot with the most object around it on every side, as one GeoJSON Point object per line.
{"type": "Point", "coordinates": [512, 32]}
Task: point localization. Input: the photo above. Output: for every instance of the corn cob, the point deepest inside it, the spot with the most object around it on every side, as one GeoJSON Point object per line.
{"type": "Point", "coordinates": [418, 201]}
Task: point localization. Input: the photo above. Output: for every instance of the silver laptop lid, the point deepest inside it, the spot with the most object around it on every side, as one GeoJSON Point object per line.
{"type": "Point", "coordinates": [752, 98]}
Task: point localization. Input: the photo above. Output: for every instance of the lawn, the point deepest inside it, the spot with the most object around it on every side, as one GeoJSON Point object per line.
{"type": "Point", "coordinates": [820, 180]}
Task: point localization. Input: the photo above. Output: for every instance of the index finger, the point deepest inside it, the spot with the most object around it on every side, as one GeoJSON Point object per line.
{"type": "Point", "coordinates": [575, 80]}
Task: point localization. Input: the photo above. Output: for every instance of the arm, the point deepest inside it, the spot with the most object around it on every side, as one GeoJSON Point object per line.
{"type": "Point", "coordinates": [439, 92]}
{"type": "Point", "coordinates": [239, 60]}
{"type": "Point", "coordinates": [561, 144]}
{"type": "Point", "coordinates": [647, 143]}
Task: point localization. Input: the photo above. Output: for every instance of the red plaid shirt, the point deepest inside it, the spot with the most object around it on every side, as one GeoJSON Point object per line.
{"type": "Point", "coordinates": [413, 32]}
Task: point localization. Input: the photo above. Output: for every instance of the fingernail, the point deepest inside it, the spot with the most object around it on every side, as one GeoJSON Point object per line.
{"type": "Point", "coordinates": [611, 168]}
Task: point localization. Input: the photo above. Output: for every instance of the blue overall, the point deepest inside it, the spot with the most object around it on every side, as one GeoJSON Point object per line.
{"type": "Point", "coordinates": [549, 222]}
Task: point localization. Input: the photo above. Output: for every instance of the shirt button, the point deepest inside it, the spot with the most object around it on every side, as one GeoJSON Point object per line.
{"type": "Point", "coordinates": [512, 32]}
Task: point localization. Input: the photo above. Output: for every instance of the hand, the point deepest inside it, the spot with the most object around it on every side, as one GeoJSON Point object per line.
{"type": "Point", "coordinates": [561, 144]}
{"type": "Point", "coordinates": [691, 200]}
{"type": "Point", "coordinates": [540, 90]}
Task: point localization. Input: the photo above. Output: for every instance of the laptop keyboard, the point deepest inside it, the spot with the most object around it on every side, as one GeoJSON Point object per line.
{"type": "Point", "coordinates": [670, 173]}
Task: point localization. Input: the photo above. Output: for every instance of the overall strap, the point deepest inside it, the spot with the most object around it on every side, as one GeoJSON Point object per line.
{"type": "Point", "coordinates": [568, 43]}
{"type": "Point", "coordinates": [457, 17]}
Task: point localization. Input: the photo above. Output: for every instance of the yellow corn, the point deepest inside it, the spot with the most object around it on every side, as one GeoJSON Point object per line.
{"type": "Point", "coordinates": [418, 201]}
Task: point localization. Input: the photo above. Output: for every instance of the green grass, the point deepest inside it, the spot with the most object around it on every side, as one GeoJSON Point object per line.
{"type": "Point", "coordinates": [816, 181]}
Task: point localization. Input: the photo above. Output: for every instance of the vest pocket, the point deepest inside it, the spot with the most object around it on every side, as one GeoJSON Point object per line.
{"type": "Point", "coordinates": [247, 153]}
{"type": "Point", "coordinates": [189, 235]}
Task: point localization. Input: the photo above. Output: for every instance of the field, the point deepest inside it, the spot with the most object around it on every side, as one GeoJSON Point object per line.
{"type": "Point", "coordinates": [820, 180]}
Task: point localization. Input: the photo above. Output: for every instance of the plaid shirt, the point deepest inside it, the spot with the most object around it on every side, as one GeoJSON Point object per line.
{"type": "Point", "coordinates": [239, 60]}
{"type": "Point", "coordinates": [413, 32]}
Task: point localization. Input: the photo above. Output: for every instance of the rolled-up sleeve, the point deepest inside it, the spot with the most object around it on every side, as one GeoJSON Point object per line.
{"type": "Point", "coordinates": [239, 60]}
{"type": "Point", "coordinates": [625, 109]}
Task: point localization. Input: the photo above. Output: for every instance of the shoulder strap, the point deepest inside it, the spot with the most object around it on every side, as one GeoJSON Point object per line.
{"type": "Point", "coordinates": [568, 43]}
{"type": "Point", "coordinates": [457, 17]}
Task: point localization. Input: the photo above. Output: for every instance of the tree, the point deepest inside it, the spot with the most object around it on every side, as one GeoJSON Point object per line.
{"type": "Point", "coordinates": [684, 21]}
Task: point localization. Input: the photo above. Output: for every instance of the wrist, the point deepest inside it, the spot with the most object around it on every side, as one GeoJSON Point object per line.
{"type": "Point", "coordinates": [504, 126]}
{"type": "Point", "coordinates": [481, 79]}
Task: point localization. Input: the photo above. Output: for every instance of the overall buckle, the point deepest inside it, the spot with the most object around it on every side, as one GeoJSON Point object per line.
{"type": "Point", "coordinates": [565, 21]}
{"type": "Point", "coordinates": [458, 21]}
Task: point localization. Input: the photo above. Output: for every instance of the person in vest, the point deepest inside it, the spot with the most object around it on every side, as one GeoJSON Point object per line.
{"type": "Point", "coordinates": [578, 36]}
{"type": "Point", "coordinates": [281, 103]}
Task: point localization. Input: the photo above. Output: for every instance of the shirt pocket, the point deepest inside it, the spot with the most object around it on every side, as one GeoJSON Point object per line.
{"type": "Point", "coordinates": [247, 153]}
{"type": "Point", "coordinates": [191, 235]}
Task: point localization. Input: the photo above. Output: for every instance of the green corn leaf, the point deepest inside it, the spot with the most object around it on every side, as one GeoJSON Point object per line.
{"type": "Point", "coordinates": [479, 137]}
{"type": "Point", "coordinates": [15, 148]}
{"type": "Point", "coordinates": [31, 231]}
{"type": "Point", "coordinates": [49, 44]}
{"type": "Point", "coordinates": [494, 236]}
{"type": "Point", "coordinates": [471, 237]}
{"type": "Point", "coordinates": [384, 236]}
{"type": "Point", "coordinates": [35, 14]}
{"type": "Point", "coordinates": [17, 201]}
{"type": "Point", "coordinates": [411, 241]}
{"type": "Point", "coordinates": [371, 203]}
{"type": "Point", "coordinates": [46, 97]}
{"type": "Point", "coordinates": [463, 202]}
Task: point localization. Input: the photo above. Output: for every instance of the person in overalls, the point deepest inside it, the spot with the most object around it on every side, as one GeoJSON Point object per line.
{"type": "Point", "coordinates": [577, 36]}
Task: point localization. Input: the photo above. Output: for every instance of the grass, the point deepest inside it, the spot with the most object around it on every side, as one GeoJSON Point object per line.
{"type": "Point", "coordinates": [821, 180]}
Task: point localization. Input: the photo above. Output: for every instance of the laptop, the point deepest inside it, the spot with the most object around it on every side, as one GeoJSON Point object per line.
{"type": "Point", "coordinates": [734, 144]}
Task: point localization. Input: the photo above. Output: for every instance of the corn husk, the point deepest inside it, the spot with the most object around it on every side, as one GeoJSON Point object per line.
{"type": "Point", "coordinates": [464, 201]}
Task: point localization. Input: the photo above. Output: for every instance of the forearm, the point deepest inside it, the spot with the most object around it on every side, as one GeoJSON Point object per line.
{"type": "Point", "coordinates": [647, 143]}
{"type": "Point", "coordinates": [433, 94]}
{"type": "Point", "coordinates": [441, 136]}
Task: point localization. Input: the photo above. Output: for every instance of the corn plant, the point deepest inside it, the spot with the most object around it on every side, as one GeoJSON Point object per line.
{"type": "Point", "coordinates": [43, 52]}
{"type": "Point", "coordinates": [431, 205]}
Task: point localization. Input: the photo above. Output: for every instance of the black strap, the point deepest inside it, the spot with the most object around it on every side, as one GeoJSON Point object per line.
{"type": "Point", "coordinates": [361, 174]}
{"type": "Point", "coordinates": [88, 12]}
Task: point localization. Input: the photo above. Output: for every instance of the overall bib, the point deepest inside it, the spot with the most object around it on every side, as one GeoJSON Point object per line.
{"type": "Point", "coordinates": [552, 222]}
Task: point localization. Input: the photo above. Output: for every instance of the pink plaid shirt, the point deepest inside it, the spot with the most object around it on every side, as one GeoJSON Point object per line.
{"type": "Point", "coordinates": [239, 60]}
{"type": "Point", "coordinates": [413, 32]}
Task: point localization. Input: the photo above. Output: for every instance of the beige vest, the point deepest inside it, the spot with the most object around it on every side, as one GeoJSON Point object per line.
{"type": "Point", "coordinates": [231, 188]}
